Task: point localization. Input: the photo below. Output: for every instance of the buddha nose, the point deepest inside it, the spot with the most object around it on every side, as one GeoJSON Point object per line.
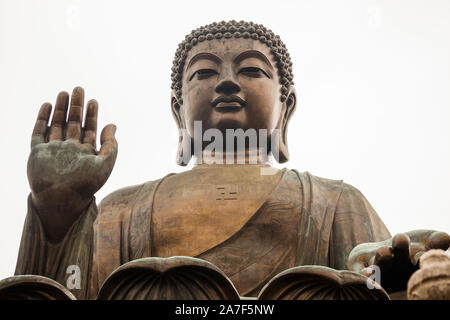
{"type": "Point", "coordinates": [228, 85]}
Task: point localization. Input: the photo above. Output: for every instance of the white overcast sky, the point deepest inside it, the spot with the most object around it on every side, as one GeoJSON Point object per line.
{"type": "Point", "coordinates": [373, 83]}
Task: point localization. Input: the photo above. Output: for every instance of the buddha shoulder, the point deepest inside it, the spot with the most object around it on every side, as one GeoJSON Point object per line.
{"type": "Point", "coordinates": [122, 200]}
{"type": "Point", "coordinates": [326, 189]}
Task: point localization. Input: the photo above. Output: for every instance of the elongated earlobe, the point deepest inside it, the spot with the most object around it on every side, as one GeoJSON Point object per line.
{"type": "Point", "coordinates": [184, 152]}
{"type": "Point", "coordinates": [281, 154]}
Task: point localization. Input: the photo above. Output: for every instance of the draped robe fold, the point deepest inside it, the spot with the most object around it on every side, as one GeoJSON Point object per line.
{"type": "Point", "coordinates": [306, 220]}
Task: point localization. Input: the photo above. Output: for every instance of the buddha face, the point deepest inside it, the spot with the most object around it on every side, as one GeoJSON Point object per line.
{"type": "Point", "coordinates": [230, 84]}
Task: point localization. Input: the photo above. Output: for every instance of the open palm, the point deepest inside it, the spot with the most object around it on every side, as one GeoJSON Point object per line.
{"type": "Point", "coordinates": [64, 168]}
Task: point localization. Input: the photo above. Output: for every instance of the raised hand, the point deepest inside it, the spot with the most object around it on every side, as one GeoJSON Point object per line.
{"type": "Point", "coordinates": [64, 168]}
{"type": "Point", "coordinates": [397, 257]}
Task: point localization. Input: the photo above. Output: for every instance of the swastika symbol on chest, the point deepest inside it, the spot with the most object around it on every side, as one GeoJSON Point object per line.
{"type": "Point", "coordinates": [227, 192]}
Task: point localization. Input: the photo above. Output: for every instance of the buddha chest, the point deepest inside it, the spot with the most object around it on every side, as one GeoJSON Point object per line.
{"type": "Point", "coordinates": [201, 208]}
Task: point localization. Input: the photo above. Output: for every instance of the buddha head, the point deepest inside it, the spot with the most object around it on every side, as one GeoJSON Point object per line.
{"type": "Point", "coordinates": [233, 75]}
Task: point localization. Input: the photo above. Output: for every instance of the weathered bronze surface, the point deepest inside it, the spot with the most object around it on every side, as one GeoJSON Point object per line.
{"type": "Point", "coordinates": [32, 287]}
{"type": "Point", "coordinates": [321, 283]}
{"type": "Point", "coordinates": [432, 280]}
{"type": "Point", "coordinates": [250, 225]}
{"type": "Point", "coordinates": [175, 278]}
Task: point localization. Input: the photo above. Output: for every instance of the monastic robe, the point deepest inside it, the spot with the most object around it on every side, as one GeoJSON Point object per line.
{"type": "Point", "coordinates": [306, 220]}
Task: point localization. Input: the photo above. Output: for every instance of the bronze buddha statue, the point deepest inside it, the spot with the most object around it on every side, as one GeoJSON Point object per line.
{"type": "Point", "coordinates": [228, 76]}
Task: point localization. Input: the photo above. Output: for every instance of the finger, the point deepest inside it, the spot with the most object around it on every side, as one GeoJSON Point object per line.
{"type": "Point", "coordinates": [40, 127]}
{"type": "Point", "coordinates": [401, 247]}
{"type": "Point", "coordinates": [73, 130]}
{"type": "Point", "coordinates": [383, 255]}
{"type": "Point", "coordinates": [108, 141]}
{"type": "Point", "coordinates": [59, 117]}
{"type": "Point", "coordinates": [440, 240]}
{"type": "Point", "coordinates": [384, 259]}
{"type": "Point", "coordinates": [90, 124]}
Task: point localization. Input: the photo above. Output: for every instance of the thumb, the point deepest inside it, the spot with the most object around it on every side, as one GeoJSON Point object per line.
{"type": "Point", "coordinates": [108, 141]}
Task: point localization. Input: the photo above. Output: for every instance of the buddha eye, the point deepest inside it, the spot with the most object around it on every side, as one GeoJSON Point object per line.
{"type": "Point", "coordinates": [254, 72]}
{"type": "Point", "coordinates": [203, 74]}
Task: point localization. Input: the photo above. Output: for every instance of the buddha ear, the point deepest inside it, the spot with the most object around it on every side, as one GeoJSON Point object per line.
{"type": "Point", "coordinates": [287, 111]}
{"type": "Point", "coordinates": [184, 153]}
